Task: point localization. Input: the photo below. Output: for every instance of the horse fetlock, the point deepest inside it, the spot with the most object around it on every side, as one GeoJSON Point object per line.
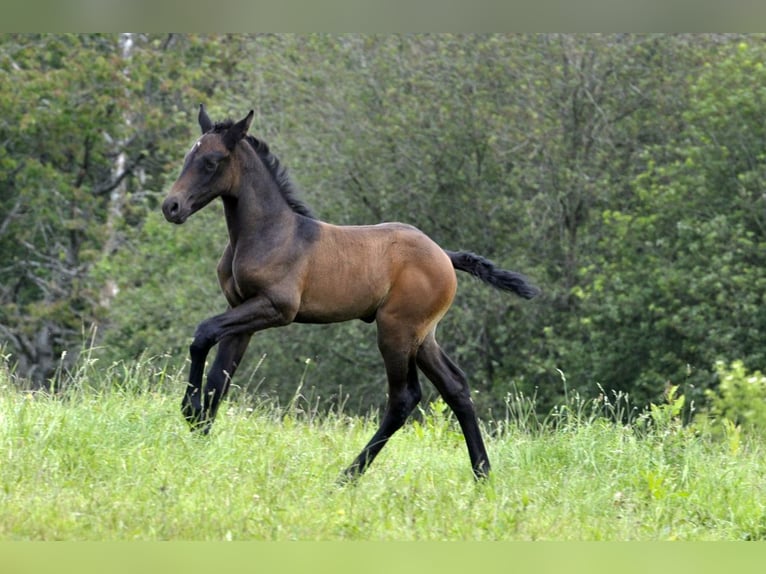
{"type": "Point", "coordinates": [198, 423]}
{"type": "Point", "coordinates": [349, 476]}
{"type": "Point", "coordinates": [191, 409]}
{"type": "Point", "coordinates": [481, 470]}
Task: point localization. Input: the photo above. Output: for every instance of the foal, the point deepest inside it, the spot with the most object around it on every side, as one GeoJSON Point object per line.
{"type": "Point", "coordinates": [282, 265]}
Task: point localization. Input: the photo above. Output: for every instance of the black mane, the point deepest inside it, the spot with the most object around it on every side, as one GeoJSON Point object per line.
{"type": "Point", "coordinates": [277, 171]}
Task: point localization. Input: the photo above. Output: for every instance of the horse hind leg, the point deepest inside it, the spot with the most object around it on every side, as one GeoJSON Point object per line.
{"type": "Point", "coordinates": [451, 383]}
{"type": "Point", "coordinates": [404, 394]}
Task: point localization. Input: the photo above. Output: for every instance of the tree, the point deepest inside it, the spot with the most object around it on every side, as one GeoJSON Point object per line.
{"type": "Point", "coordinates": [55, 181]}
{"type": "Point", "coordinates": [681, 277]}
{"type": "Point", "coordinates": [73, 106]}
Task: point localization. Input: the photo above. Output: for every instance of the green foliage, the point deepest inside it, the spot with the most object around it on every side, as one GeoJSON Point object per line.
{"type": "Point", "coordinates": [54, 178]}
{"type": "Point", "coordinates": [157, 311]}
{"type": "Point", "coordinates": [666, 417]}
{"type": "Point", "coordinates": [622, 173]}
{"type": "Point", "coordinates": [739, 401]}
{"type": "Point", "coordinates": [677, 280]}
{"type": "Point", "coordinates": [89, 121]}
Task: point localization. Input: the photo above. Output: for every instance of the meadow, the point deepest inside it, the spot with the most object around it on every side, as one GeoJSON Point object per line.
{"type": "Point", "coordinates": [109, 458]}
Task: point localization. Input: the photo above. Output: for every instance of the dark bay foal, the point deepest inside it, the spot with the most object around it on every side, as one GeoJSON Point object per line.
{"type": "Point", "coordinates": [282, 265]}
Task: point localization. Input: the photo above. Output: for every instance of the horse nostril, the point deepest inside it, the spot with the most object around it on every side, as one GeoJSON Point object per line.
{"type": "Point", "coordinates": [170, 208]}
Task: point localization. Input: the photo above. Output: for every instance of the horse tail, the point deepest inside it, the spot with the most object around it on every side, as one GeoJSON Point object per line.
{"type": "Point", "coordinates": [485, 270]}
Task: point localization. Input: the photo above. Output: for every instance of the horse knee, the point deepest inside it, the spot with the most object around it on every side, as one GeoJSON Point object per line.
{"type": "Point", "coordinates": [201, 344]}
{"type": "Point", "coordinates": [205, 336]}
{"type": "Point", "coordinates": [401, 406]}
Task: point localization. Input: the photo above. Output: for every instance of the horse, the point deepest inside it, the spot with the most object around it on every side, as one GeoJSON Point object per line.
{"type": "Point", "coordinates": [283, 265]}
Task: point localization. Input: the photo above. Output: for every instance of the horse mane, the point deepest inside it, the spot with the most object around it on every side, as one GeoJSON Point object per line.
{"type": "Point", "coordinates": [277, 171]}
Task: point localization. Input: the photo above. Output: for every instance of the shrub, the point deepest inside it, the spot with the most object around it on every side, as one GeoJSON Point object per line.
{"type": "Point", "coordinates": [740, 399]}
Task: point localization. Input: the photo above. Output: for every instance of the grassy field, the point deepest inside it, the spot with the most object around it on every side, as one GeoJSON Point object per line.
{"type": "Point", "coordinates": [119, 464]}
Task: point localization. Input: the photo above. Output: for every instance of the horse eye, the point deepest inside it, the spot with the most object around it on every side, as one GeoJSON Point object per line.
{"type": "Point", "coordinates": [210, 165]}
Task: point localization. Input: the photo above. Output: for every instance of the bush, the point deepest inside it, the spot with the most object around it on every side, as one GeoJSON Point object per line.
{"type": "Point", "coordinates": [740, 399]}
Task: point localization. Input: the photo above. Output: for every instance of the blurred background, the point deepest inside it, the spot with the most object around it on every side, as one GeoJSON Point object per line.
{"type": "Point", "coordinates": [624, 174]}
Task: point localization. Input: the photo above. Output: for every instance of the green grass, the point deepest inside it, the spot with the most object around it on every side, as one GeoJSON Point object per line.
{"type": "Point", "coordinates": [119, 464]}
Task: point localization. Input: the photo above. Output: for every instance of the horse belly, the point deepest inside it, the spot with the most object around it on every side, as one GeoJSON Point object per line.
{"type": "Point", "coordinates": [340, 297]}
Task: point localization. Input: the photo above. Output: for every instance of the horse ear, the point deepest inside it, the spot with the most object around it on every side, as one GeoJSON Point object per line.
{"type": "Point", "coordinates": [204, 121]}
{"type": "Point", "coordinates": [238, 131]}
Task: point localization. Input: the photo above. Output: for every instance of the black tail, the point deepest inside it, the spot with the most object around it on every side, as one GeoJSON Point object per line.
{"type": "Point", "coordinates": [485, 270]}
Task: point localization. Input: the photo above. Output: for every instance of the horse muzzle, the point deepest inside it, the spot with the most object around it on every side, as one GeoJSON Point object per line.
{"type": "Point", "coordinates": [174, 211]}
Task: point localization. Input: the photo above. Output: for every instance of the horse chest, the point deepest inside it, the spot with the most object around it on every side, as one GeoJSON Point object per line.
{"type": "Point", "coordinates": [252, 276]}
{"type": "Point", "coordinates": [244, 282]}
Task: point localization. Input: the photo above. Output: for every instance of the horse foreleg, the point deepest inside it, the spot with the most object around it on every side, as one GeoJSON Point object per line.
{"type": "Point", "coordinates": [232, 330]}
{"type": "Point", "coordinates": [191, 405]}
{"type": "Point", "coordinates": [230, 351]}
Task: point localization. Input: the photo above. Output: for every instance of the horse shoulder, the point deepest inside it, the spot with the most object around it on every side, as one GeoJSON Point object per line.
{"type": "Point", "coordinates": [226, 277]}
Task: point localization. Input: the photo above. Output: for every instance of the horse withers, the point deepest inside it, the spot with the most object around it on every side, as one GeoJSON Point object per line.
{"type": "Point", "coordinates": [283, 265]}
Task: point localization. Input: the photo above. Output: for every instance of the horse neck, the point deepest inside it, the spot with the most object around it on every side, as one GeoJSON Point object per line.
{"type": "Point", "coordinates": [257, 211]}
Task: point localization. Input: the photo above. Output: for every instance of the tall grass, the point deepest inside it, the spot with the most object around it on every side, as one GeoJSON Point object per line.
{"type": "Point", "coordinates": [109, 458]}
